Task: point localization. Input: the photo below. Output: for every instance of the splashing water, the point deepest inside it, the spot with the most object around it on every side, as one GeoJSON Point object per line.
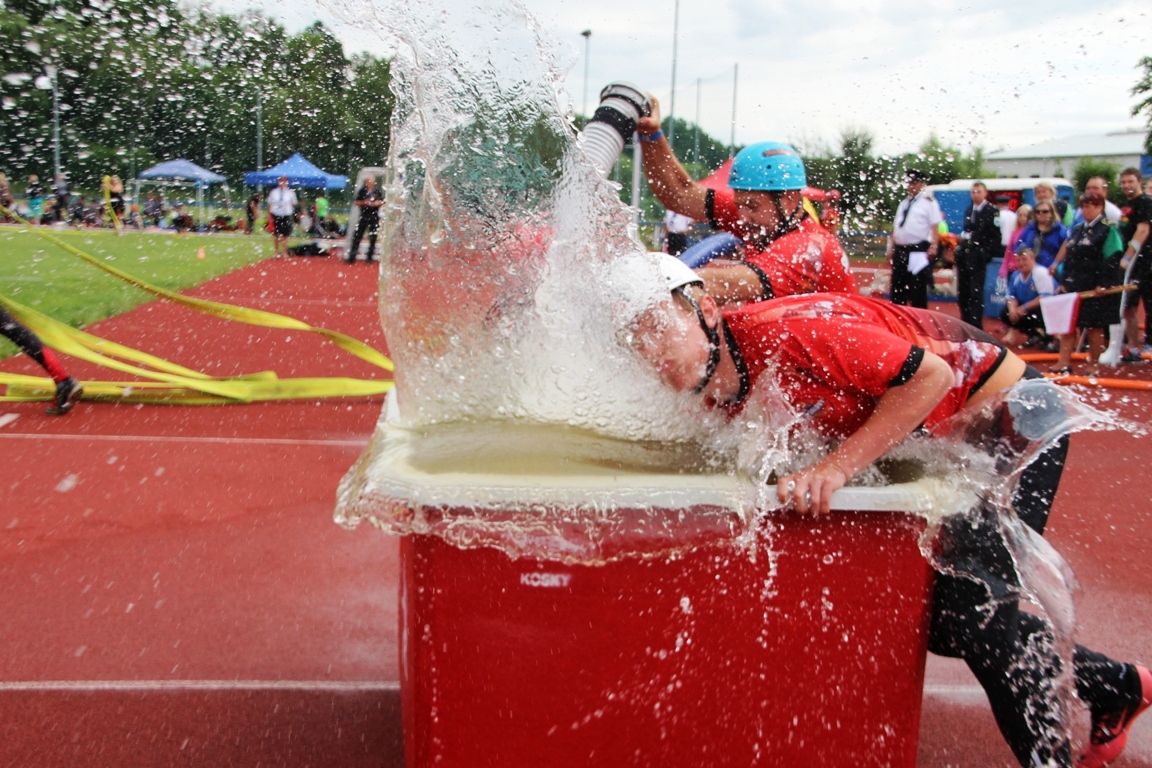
{"type": "Point", "coordinates": [509, 265]}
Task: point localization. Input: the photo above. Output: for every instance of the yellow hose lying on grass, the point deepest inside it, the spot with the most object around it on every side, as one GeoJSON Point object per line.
{"type": "Point", "coordinates": [172, 383]}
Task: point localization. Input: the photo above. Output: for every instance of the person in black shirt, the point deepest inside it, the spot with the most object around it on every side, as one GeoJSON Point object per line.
{"type": "Point", "coordinates": [1135, 223]}
{"type": "Point", "coordinates": [368, 200]}
{"type": "Point", "coordinates": [981, 244]}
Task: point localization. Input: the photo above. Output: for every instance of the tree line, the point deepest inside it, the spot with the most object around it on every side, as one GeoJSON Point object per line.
{"type": "Point", "coordinates": [139, 83]}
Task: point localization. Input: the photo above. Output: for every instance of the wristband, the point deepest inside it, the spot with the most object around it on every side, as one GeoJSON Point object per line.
{"type": "Point", "coordinates": [652, 137]}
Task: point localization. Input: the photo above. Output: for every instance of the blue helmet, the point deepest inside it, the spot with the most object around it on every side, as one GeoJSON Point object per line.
{"type": "Point", "coordinates": [769, 166]}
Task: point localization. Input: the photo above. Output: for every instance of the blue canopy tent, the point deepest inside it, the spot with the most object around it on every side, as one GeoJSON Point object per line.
{"type": "Point", "coordinates": [300, 173]}
{"type": "Point", "coordinates": [181, 170]}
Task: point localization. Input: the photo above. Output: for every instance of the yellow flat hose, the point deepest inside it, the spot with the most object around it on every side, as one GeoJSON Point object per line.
{"type": "Point", "coordinates": [173, 383]}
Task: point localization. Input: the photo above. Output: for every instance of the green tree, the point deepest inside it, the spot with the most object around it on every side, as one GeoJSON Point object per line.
{"type": "Point", "coordinates": [1143, 88]}
{"type": "Point", "coordinates": [1088, 167]}
{"type": "Point", "coordinates": [140, 82]}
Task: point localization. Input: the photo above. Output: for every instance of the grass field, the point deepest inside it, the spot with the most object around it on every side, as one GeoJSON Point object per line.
{"type": "Point", "coordinates": [44, 276]}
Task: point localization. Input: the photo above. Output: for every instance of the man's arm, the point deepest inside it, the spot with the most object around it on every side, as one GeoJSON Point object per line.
{"type": "Point", "coordinates": [667, 179]}
{"type": "Point", "coordinates": [898, 412]}
{"type": "Point", "coordinates": [732, 282]}
{"type": "Point", "coordinates": [1130, 250]}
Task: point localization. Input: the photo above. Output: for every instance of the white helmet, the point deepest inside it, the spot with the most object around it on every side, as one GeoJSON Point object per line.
{"type": "Point", "coordinates": [677, 274]}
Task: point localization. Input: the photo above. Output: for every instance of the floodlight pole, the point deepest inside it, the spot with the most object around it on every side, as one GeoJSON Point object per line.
{"type": "Point", "coordinates": [696, 127]}
{"type": "Point", "coordinates": [587, 34]}
{"type": "Point", "coordinates": [51, 72]}
{"type": "Point", "coordinates": [735, 77]}
{"type": "Point", "coordinates": [259, 130]}
{"type": "Point", "coordinates": [672, 101]}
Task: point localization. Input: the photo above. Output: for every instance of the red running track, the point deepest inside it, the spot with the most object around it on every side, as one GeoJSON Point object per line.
{"type": "Point", "coordinates": [177, 593]}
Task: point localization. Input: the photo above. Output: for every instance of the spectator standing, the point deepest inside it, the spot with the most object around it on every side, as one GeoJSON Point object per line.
{"type": "Point", "coordinates": [1027, 285]}
{"type": "Point", "coordinates": [35, 194]}
{"type": "Point", "coordinates": [1007, 220]}
{"type": "Point", "coordinates": [915, 230]}
{"type": "Point", "coordinates": [1091, 258]}
{"type": "Point", "coordinates": [252, 211]}
{"type": "Point", "coordinates": [980, 244]}
{"type": "Point", "coordinates": [1046, 193]}
{"type": "Point", "coordinates": [1022, 217]}
{"type": "Point", "coordinates": [1135, 225]}
{"type": "Point", "coordinates": [282, 207]}
{"type": "Point", "coordinates": [1044, 235]}
{"type": "Point", "coordinates": [676, 229]}
{"type": "Point", "coordinates": [321, 207]}
{"type": "Point", "coordinates": [62, 197]}
{"type": "Point", "coordinates": [368, 200]}
{"type": "Point", "coordinates": [114, 194]}
{"type": "Point", "coordinates": [1098, 185]}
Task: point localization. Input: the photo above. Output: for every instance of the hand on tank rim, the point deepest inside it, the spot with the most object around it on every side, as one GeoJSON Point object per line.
{"type": "Point", "coordinates": [810, 490]}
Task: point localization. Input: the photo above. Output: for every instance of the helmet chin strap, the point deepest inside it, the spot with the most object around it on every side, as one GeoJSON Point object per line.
{"type": "Point", "coordinates": [785, 224]}
{"type": "Point", "coordinates": [713, 335]}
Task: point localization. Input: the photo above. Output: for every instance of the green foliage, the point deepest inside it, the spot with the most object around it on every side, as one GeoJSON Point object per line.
{"type": "Point", "coordinates": [145, 82]}
{"type": "Point", "coordinates": [1087, 167]}
{"type": "Point", "coordinates": [873, 186]}
{"type": "Point", "coordinates": [1143, 88]}
{"type": "Point", "coordinates": [695, 147]}
{"type": "Point", "coordinates": [47, 278]}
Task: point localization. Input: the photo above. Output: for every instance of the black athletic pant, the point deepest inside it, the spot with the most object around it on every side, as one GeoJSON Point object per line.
{"type": "Point", "coordinates": [975, 617]}
{"type": "Point", "coordinates": [970, 268]}
{"type": "Point", "coordinates": [909, 289]}
{"type": "Point", "coordinates": [1031, 323]}
{"type": "Point", "coordinates": [370, 223]}
{"type": "Point", "coordinates": [28, 342]}
{"type": "Point", "coordinates": [1143, 274]}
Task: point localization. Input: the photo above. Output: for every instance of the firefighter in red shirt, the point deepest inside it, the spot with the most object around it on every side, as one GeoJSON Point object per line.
{"type": "Point", "coordinates": [871, 373]}
{"type": "Point", "coordinates": [785, 251]}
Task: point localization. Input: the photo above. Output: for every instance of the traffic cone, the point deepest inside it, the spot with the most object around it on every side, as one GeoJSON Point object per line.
{"type": "Point", "coordinates": [200, 253]}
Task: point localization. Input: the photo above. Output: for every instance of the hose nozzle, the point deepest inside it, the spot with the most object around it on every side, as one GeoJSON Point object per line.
{"type": "Point", "coordinates": [621, 106]}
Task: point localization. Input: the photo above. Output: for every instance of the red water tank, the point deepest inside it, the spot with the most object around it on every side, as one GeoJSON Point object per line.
{"type": "Point", "coordinates": [805, 648]}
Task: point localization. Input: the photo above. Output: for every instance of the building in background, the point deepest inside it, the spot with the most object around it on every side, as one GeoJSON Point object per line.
{"type": "Point", "coordinates": [1058, 157]}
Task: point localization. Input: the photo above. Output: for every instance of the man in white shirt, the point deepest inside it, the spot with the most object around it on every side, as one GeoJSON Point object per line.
{"type": "Point", "coordinates": [1007, 220]}
{"type": "Point", "coordinates": [1099, 186]}
{"type": "Point", "coordinates": [676, 229]}
{"type": "Point", "coordinates": [281, 207]}
{"type": "Point", "coordinates": [912, 245]}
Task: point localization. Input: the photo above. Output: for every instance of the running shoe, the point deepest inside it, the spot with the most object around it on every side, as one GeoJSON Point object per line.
{"type": "Point", "coordinates": [1131, 358]}
{"type": "Point", "coordinates": [1110, 729]}
{"type": "Point", "coordinates": [67, 394]}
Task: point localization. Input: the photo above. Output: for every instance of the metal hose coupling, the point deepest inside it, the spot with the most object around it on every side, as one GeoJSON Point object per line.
{"type": "Point", "coordinates": [621, 106]}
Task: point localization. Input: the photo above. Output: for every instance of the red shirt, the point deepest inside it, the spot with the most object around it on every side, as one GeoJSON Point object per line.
{"type": "Point", "coordinates": [849, 350]}
{"type": "Point", "coordinates": [808, 259]}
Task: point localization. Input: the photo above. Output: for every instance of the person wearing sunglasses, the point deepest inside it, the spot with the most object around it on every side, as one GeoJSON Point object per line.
{"type": "Point", "coordinates": [1044, 234]}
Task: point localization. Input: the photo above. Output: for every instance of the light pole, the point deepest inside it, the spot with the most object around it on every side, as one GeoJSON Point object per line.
{"type": "Point", "coordinates": [587, 34]}
{"type": "Point", "coordinates": [259, 131]}
{"type": "Point", "coordinates": [47, 82]}
{"type": "Point", "coordinates": [672, 101]}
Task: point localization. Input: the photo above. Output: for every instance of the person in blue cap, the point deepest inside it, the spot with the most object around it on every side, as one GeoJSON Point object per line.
{"type": "Point", "coordinates": [785, 251]}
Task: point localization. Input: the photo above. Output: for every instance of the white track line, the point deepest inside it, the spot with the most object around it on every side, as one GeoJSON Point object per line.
{"type": "Point", "coordinates": [197, 685]}
{"type": "Point", "coordinates": [964, 691]}
{"type": "Point", "coordinates": [355, 442]}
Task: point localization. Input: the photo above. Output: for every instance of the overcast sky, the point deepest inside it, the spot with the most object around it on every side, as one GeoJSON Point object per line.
{"type": "Point", "coordinates": [994, 74]}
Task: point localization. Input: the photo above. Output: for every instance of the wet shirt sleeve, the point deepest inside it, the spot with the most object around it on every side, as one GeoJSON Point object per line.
{"type": "Point", "coordinates": [722, 210]}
